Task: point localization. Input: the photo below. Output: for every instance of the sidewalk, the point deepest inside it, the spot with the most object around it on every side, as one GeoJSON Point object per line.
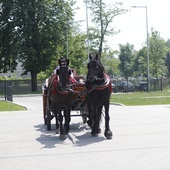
{"type": "Point", "coordinates": [141, 140]}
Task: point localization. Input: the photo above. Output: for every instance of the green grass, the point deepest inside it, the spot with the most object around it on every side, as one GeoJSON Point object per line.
{"type": "Point", "coordinates": [141, 98]}
{"type": "Point", "coordinates": [8, 106]}
{"type": "Point", "coordinates": [128, 99]}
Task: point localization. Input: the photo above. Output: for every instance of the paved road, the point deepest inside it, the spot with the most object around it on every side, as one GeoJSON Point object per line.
{"type": "Point", "coordinates": [141, 140]}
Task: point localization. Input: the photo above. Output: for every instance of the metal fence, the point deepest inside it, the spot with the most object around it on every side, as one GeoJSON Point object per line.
{"type": "Point", "coordinates": [10, 87]}
{"type": "Point", "coordinates": [6, 90]}
{"type": "Point", "coordinates": [155, 84]}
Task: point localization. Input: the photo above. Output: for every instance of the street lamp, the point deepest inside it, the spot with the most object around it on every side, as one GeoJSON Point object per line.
{"type": "Point", "coordinates": [87, 30]}
{"type": "Point", "coordinates": [67, 40]}
{"type": "Point", "coordinates": [148, 77]}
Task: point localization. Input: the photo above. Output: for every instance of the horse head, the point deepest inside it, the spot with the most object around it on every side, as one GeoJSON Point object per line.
{"type": "Point", "coordinates": [64, 73]}
{"type": "Point", "coordinates": [95, 68]}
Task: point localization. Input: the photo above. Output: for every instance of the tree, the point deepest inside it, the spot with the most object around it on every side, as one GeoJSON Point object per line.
{"type": "Point", "coordinates": [102, 15]}
{"type": "Point", "coordinates": [126, 58]}
{"type": "Point", "coordinates": [76, 50]}
{"type": "Point", "coordinates": [38, 28]}
{"type": "Point", "coordinates": [140, 65]}
{"type": "Point", "coordinates": [167, 59]}
{"type": "Point", "coordinates": [111, 63]}
{"type": "Point", "coordinates": [157, 54]}
{"type": "Point", "coordinates": [8, 43]}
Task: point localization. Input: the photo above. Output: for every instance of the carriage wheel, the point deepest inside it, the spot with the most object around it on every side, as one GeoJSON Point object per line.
{"type": "Point", "coordinates": [48, 119]}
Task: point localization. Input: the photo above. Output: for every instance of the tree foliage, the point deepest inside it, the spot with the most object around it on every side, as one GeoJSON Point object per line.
{"type": "Point", "coordinates": [167, 59]}
{"type": "Point", "coordinates": [111, 62]}
{"type": "Point", "coordinates": [141, 62]}
{"type": "Point", "coordinates": [8, 40]}
{"type": "Point", "coordinates": [157, 55]}
{"type": "Point", "coordinates": [77, 49]}
{"type": "Point", "coordinates": [36, 29]}
{"type": "Point", "coordinates": [126, 58]}
{"type": "Point", "coordinates": [102, 16]}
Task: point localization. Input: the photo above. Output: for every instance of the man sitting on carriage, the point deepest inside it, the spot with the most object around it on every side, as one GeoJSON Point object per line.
{"type": "Point", "coordinates": [55, 78]}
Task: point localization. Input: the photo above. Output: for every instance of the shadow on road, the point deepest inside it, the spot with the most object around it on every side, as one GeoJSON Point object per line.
{"type": "Point", "coordinates": [79, 136]}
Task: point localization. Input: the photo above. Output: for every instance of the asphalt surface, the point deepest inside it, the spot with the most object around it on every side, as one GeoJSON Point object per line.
{"type": "Point", "coordinates": [141, 140]}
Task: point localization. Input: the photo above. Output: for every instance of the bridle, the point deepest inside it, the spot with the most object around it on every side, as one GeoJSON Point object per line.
{"type": "Point", "coordinates": [63, 79]}
{"type": "Point", "coordinates": [96, 78]}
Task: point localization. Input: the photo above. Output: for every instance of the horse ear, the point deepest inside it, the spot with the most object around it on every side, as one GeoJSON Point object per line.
{"type": "Point", "coordinates": [67, 62]}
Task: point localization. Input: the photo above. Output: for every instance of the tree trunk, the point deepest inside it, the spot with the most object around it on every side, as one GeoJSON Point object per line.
{"type": "Point", "coordinates": [33, 81]}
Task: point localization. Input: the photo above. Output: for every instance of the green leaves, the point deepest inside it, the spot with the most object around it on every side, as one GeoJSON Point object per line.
{"type": "Point", "coordinates": [102, 15]}
{"type": "Point", "coordinates": [126, 59]}
{"type": "Point", "coordinates": [157, 54]}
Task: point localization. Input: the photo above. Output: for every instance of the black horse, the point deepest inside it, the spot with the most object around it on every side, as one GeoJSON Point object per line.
{"type": "Point", "coordinates": [61, 96]}
{"type": "Point", "coordinates": [99, 91]}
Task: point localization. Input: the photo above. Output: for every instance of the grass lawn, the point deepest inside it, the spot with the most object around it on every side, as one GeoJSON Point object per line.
{"type": "Point", "coordinates": [128, 99]}
{"type": "Point", "coordinates": [141, 98]}
{"type": "Point", "coordinates": [8, 106]}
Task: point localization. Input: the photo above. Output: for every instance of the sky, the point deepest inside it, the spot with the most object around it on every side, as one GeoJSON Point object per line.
{"type": "Point", "coordinates": [132, 25]}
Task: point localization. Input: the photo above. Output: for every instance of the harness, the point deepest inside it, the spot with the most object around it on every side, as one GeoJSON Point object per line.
{"type": "Point", "coordinates": [106, 84]}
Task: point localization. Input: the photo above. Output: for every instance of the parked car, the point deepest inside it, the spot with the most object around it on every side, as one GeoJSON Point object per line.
{"type": "Point", "coordinates": [141, 86]}
{"type": "Point", "coordinates": [114, 88]}
{"type": "Point", "coordinates": [122, 86]}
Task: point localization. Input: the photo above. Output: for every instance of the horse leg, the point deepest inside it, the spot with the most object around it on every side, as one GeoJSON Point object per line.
{"type": "Point", "coordinates": [62, 135]}
{"type": "Point", "coordinates": [56, 118]}
{"type": "Point", "coordinates": [90, 114]}
{"type": "Point", "coordinates": [95, 127]}
{"type": "Point", "coordinates": [67, 119]}
{"type": "Point", "coordinates": [108, 132]}
{"type": "Point", "coordinates": [57, 123]}
{"type": "Point", "coordinates": [99, 113]}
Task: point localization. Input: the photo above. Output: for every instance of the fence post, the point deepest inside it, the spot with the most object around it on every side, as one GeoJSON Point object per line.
{"type": "Point", "coordinates": [5, 89]}
{"type": "Point", "coordinates": [8, 90]}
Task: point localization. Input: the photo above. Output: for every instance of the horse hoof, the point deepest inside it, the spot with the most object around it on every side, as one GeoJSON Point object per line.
{"type": "Point", "coordinates": [108, 135]}
{"type": "Point", "coordinates": [57, 131]}
{"type": "Point", "coordinates": [63, 137]}
{"type": "Point", "coordinates": [94, 134]}
{"type": "Point", "coordinates": [99, 131]}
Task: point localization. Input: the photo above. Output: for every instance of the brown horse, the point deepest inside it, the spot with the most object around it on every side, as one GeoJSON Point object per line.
{"type": "Point", "coordinates": [99, 90]}
{"type": "Point", "coordinates": [61, 95]}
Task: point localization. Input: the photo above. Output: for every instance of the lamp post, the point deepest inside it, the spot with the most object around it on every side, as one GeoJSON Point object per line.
{"type": "Point", "coordinates": [67, 40]}
{"type": "Point", "coordinates": [87, 30]}
{"type": "Point", "coordinates": [148, 77]}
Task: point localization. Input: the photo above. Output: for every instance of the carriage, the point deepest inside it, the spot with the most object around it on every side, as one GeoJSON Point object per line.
{"type": "Point", "coordinates": [79, 105]}
{"type": "Point", "coordinates": [64, 95]}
